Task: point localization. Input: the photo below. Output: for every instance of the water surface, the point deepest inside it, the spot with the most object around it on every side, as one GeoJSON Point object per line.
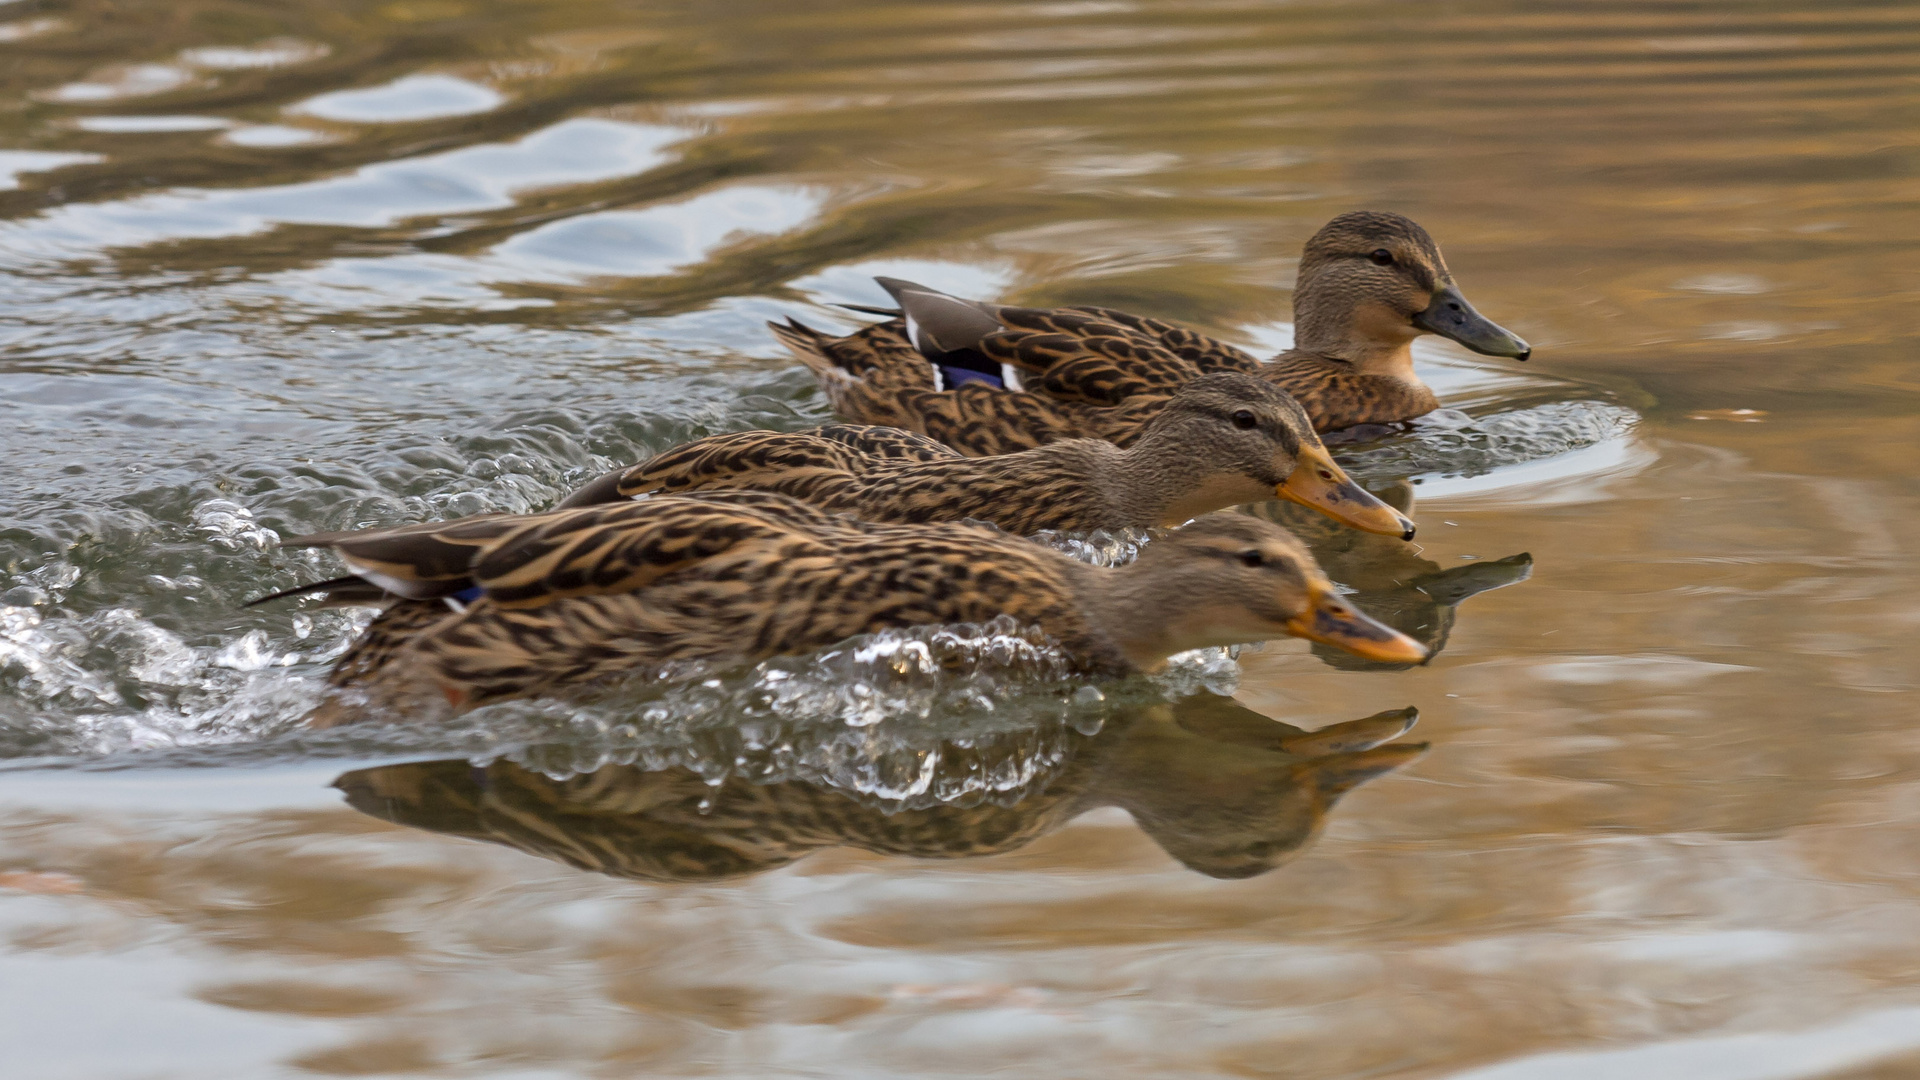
{"type": "Point", "coordinates": [275, 268]}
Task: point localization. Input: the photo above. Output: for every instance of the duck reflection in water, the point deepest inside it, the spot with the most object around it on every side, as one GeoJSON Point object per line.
{"type": "Point", "coordinates": [1397, 586]}
{"type": "Point", "coordinates": [1226, 791]}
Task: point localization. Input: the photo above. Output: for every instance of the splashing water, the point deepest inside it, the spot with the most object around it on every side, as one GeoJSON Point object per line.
{"type": "Point", "coordinates": [1101, 547]}
{"type": "Point", "coordinates": [122, 632]}
{"type": "Point", "coordinates": [869, 715]}
{"type": "Point", "coordinates": [1449, 442]}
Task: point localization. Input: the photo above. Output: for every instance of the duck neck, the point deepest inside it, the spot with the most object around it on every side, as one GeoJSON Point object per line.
{"type": "Point", "coordinates": [1395, 364]}
{"type": "Point", "coordinates": [1072, 486]}
{"type": "Point", "coordinates": [1151, 611]}
{"type": "Point", "coordinates": [1358, 332]}
{"type": "Point", "coordinates": [1128, 607]}
{"type": "Point", "coordinates": [1171, 475]}
{"type": "Point", "coordinates": [1145, 485]}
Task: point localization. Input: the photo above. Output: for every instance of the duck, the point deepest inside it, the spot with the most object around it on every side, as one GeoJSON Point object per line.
{"type": "Point", "coordinates": [987, 378]}
{"type": "Point", "coordinates": [500, 606]}
{"type": "Point", "coordinates": [1226, 791]}
{"type": "Point", "coordinates": [1219, 441]}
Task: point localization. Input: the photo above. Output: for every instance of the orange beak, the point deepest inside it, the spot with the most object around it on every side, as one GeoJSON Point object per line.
{"type": "Point", "coordinates": [1317, 482]}
{"type": "Point", "coordinates": [1331, 620]}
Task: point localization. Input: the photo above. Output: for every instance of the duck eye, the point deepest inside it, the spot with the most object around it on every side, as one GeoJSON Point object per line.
{"type": "Point", "coordinates": [1245, 420]}
{"type": "Point", "coordinates": [1253, 558]}
{"type": "Point", "coordinates": [1381, 257]}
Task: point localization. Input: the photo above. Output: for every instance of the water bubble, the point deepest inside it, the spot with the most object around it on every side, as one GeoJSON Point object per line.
{"type": "Point", "coordinates": [231, 526]}
{"type": "Point", "coordinates": [248, 653]}
{"type": "Point", "coordinates": [1448, 442]}
{"type": "Point", "coordinates": [1101, 547]}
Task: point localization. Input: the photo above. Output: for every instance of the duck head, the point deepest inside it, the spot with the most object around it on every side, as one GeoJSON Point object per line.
{"type": "Point", "coordinates": [1229, 438]}
{"type": "Point", "coordinates": [1229, 579]}
{"type": "Point", "coordinates": [1370, 282]}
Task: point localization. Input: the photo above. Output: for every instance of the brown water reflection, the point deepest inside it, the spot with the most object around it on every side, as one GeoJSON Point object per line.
{"type": "Point", "coordinates": [1393, 581]}
{"type": "Point", "coordinates": [1666, 828]}
{"type": "Point", "coordinates": [1223, 789]}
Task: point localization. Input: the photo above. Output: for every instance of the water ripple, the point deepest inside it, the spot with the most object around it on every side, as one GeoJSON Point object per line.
{"type": "Point", "coordinates": [469, 180]}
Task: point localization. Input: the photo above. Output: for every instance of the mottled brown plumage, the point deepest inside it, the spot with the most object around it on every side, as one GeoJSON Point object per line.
{"type": "Point", "coordinates": [560, 599]}
{"type": "Point", "coordinates": [1228, 792]}
{"type": "Point", "coordinates": [1369, 284]}
{"type": "Point", "coordinates": [1220, 441]}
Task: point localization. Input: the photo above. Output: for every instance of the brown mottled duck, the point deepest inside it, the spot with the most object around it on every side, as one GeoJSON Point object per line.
{"type": "Point", "coordinates": [1218, 441]}
{"type": "Point", "coordinates": [494, 607]}
{"type": "Point", "coordinates": [989, 378]}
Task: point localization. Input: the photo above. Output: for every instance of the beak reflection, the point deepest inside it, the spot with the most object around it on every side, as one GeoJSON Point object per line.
{"type": "Point", "coordinates": [1318, 483]}
{"type": "Point", "coordinates": [1331, 620]}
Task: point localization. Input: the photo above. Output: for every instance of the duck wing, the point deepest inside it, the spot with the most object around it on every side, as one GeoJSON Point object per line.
{"type": "Point", "coordinates": [1077, 357]}
{"type": "Point", "coordinates": [888, 443]}
{"type": "Point", "coordinates": [1063, 373]}
{"type": "Point", "coordinates": [1073, 356]}
{"type": "Point", "coordinates": [945, 329]}
{"type": "Point", "coordinates": [875, 376]}
{"type": "Point", "coordinates": [544, 556]}
{"type": "Point", "coordinates": [351, 590]}
{"type": "Point", "coordinates": [1087, 356]}
{"type": "Point", "coordinates": [799, 463]}
{"type": "Point", "coordinates": [566, 595]}
{"type": "Point", "coordinates": [1208, 354]}
{"type": "Point", "coordinates": [625, 547]}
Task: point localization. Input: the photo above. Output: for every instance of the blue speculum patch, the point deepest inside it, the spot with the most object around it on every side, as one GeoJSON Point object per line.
{"type": "Point", "coordinates": [958, 376]}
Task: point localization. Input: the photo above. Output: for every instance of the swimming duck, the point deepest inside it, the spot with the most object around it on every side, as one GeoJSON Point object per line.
{"type": "Point", "coordinates": [501, 606]}
{"type": "Point", "coordinates": [1218, 441]}
{"type": "Point", "coordinates": [989, 378]}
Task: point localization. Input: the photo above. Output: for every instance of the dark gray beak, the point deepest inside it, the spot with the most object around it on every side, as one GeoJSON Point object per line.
{"type": "Point", "coordinates": [1450, 316]}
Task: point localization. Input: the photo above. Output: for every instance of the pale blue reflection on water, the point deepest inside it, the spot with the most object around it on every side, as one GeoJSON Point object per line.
{"type": "Point", "coordinates": [414, 97]}
{"type": "Point", "coordinates": [270, 269]}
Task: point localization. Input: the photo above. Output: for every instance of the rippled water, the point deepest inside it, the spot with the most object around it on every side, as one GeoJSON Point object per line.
{"type": "Point", "coordinates": [266, 269]}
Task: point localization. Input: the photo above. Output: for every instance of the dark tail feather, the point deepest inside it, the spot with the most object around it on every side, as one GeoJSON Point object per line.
{"type": "Point", "coordinates": [792, 330]}
{"type": "Point", "coordinates": [351, 590]}
{"type": "Point", "coordinates": [809, 346]}
{"type": "Point", "coordinates": [320, 539]}
{"type": "Point", "coordinates": [891, 313]}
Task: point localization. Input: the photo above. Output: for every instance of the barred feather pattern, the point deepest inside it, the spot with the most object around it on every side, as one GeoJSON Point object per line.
{"type": "Point", "coordinates": [874, 376]}
{"type": "Point", "coordinates": [1199, 454]}
{"type": "Point", "coordinates": [1091, 373]}
{"type": "Point", "coordinates": [574, 596]}
{"type": "Point", "coordinates": [1333, 393]}
{"type": "Point", "coordinates": [1049, 487]}
{"type": "Point", "coordinates": [1337, 396]}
